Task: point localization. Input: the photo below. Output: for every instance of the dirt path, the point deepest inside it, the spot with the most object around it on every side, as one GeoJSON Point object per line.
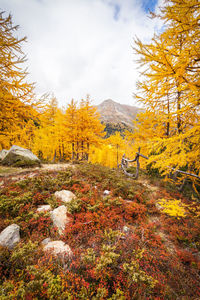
{"type": "Point", "coordinates": [146, 183]}
{"type": "Point", "coordinates": [7, 171]}
{"type": "Point", "coordinates": [56, 167]}
{"type": "Point", "coordinates": [20, 173]}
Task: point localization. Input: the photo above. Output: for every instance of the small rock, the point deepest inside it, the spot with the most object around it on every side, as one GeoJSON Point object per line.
{"type": "Point", "coordinates": [126, 229]}
{"type": "Point", "coordinates": [46, 241]}
{"type": "Point", "coordinates": [65, 196]}
{"type": "Point", "coordinates": [59, 218]}
{"type": "Point", "coordinates": [128, 201]}
{"type": "Point", "coordinates": [9, 237]}
{"type": "Point", "coordinates": [31, 175]}
{"type": "Point", "coordinates": [43, 208]}
{"type": "Point", "coordinates": [158, 206]}
{"type": "Point", "coordinates": [58, 248]}
{"type": "Point", "coordinates": [106, 193]}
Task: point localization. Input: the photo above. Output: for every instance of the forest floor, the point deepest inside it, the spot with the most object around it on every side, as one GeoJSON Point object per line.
{"type": "Point", "coordinates": [141, 241]}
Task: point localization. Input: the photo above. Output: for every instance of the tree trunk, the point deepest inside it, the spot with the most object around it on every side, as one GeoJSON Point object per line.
{"type": "Point", "coordinates": [117, 157]}
{"type": "Point", "coordinates": [73, 154]}
{"type": "Point", "coordinates": [63, 151]}
{"type": "Point", "coordinates": [178, 112]}
{"type": "Point", "coordinates": [82, 148]}
{"type": "Point", "coordinates": [60, 153]}
{"type": "Point", "coordinates": [54, 158]}
{"type": "Point", "coordinates": [88, 149]}
{"type": "Point", "coordinates": [138, 164]}
{"type": "Point", "coordinates": [77, 151]}
{"type": "Point", "coordinates": [168, 111]}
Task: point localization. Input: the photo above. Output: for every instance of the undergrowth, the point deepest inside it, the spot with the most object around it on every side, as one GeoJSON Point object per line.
{"type": "Point", "coordinates": [124, 246]}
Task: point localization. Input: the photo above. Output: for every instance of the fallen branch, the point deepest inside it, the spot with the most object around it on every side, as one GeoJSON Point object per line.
{"type": "Point", "coordinates": [125, 161]}
{"type": "Point", "coordinates": [186, 173]}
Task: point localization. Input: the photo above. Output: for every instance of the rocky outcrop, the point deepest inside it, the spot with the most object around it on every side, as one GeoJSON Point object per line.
{"type": "Point", "coordinates": [59, 218]}
{"type": "Point", "coordinates": [65, 196]}
{"type": "Point", "coordinates": [3, 153]}
{"type": "Point", "coordinates": [19, 157]}
{"type": "Point", "coordinates": [58, 248]}
{"type": "Point", "coordinates": [9, 237]}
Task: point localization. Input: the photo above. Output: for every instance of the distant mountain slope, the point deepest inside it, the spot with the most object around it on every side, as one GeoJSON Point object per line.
{"type": "Point", "coordinates": [113, 112]}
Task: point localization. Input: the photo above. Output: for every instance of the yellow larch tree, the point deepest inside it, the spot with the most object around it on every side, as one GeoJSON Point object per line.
{"type": "Point", "coordinates": [90, 128]}
{"type": "Point", "coordinates": [109, 153]}
{"type": "Point", "coordinates": [71, 127]}
{"type": "Point", "coordinates": [170, 88]}
{"type": "Point", "coordinates": [83, 128]}
{"type": "Point", "coordinates": [118, 144]}
{"type": "Point", "coordinates": [63, 151]}
{"type": "Point", "coordinates": [45, 136]}
{"type": "Point", "coordinates": [17, 104]}
{"type": "Point", "coordinates": [103, 155]}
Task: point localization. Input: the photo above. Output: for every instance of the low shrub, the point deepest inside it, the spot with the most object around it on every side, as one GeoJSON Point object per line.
{"type": "Point", "coordinates": [123, 246]}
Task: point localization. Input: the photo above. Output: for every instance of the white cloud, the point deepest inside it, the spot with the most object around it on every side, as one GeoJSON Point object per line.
{"type": "Point", "coordinates": [77, 47]}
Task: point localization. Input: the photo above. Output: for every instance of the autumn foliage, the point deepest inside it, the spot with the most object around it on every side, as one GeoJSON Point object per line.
{"type": "Point", "coordinates": [123, 246]}
{"type": "Point", "coordinates": [169, 130]}
{"type": "Point", "coordinates": [17, 102]}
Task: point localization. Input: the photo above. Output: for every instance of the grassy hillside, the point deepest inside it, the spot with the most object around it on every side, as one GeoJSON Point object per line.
{"type": "Point", "coordinates": [139, 242]}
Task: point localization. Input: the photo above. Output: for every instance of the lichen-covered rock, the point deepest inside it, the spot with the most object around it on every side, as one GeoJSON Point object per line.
{"type": "Point", "coordinates": [20, 157]}
{"type": "Point", "coordinates": [43, 208]}
{"type": "Point", "coordinates": [9, 237]}
{"type": "Point", "coordinates": [65, 196]}
{"type": "Point", "coordinates": [59, 218]}
{"type": "Point", "coordinates": [58, 248]}
{"type": "Point", "coordinates": [3, 153]}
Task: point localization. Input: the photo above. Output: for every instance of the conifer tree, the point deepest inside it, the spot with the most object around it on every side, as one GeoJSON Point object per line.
{"type": "Point", "coordinates": [16, 95]}
{"type": "Point", "coordinates": [71, 127]}
{"type": "Point", "coordinates": [90, 127]}
{"type": "Point", "coordinates": [170, 88]}
{"type": "Point", "coordinates": [83, 128]}
{"type": "Point", "coordinates": [118, 143]}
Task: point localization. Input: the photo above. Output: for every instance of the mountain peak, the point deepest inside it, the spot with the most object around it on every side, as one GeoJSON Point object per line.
{"type": "Point", "coordinates": [114, 112]}
{"type": "Point", "coordinates": [108, 101]}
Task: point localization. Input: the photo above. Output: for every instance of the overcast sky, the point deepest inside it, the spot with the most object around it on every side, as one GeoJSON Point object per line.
{"type": "Point", "coordinates": [79, 47]}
